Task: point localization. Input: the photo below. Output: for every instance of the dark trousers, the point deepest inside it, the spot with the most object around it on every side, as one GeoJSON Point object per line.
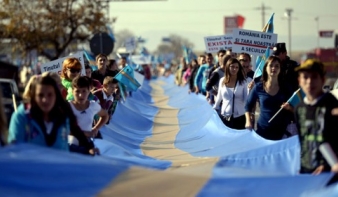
{"type": "Point", "coordinates": [235, 123]}
{"type": "Point", "coordinates": [98, 136]}
{"type": "Point", "coordinates": [78, 149]}
{"type": "Point", "coordinates": [275, 132]}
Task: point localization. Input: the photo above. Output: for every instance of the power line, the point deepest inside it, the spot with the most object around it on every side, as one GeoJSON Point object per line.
{"type": "Point", "coordinates": [263, 8]}
{"type": "Point", "coordinates": [181, 11]}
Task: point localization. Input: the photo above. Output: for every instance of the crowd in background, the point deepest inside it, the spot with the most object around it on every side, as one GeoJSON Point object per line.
{"type": "Point", "coordinates": [66, 112]}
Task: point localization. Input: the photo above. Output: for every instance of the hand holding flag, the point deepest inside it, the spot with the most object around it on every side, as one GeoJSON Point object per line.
{"type": "Point", "coordinates": [296, 97]}
{"type": "Point", "coordinates": [294, 100]}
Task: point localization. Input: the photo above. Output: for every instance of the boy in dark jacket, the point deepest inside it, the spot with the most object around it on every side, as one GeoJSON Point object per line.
{"type": "Point", "coordinates": [315, 122]}
{"type": "Point", "coordinates": [106, 94]}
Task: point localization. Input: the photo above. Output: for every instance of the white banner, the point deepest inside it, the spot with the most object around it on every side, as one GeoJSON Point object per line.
{"type": "Point", "coordinates": [56, 65]}
{"type": "Point", "coordinates": [215, 43]}
{"type": "Point", "coordinates": [252, 42]}
{"type": "Point", "coordinates": [141, 59]}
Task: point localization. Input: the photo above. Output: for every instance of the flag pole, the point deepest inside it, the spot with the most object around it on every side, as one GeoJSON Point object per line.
{"type": "Point", "coordinates": [282, 107]}
{"type": "Point", "coordinates": [275, 114]}
{"type": "Point", "coordinates": [14, 102]}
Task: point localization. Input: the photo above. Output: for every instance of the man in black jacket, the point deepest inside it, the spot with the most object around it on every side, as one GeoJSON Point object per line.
{"type": "Point", "coordinates": [288, 67]}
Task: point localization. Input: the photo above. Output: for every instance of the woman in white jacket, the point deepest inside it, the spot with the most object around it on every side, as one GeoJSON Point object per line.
{"type": "Point", "coordinates": [233, 91]}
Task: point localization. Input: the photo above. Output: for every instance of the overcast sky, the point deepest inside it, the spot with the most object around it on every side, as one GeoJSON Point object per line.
{"type": "Point", "coordinates": [194, 19]}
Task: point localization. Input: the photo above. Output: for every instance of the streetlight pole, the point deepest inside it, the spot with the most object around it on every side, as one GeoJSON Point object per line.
{"type": "Point", "coordinates": [288, 12]}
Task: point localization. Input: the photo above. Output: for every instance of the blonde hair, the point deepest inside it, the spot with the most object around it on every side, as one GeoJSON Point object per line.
{"type": "Point", "coordinates": [71, 62]}
{"type": "Point", "coordinates": [26, 92]}
{"type": "Point", "coordinates": [108, 80]}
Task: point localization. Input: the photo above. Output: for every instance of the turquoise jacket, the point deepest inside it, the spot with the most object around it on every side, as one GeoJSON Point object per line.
{"type": "Point", "coordinates": [24, 129]}
{"type": "Point", "coordinates": [202, 77]}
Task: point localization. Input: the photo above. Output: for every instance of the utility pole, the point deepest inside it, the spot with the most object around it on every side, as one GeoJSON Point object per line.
{"type": "Point", "coordinates": [288, 12]}
{"type": "Point", "coordinates": [317, 33]}
{"type": "Point", "coordinates": [263, 8]}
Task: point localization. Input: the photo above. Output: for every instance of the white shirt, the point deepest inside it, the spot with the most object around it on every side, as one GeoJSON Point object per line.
{"type": "Point", "coordinates": [85, 118]}
{"type": "Point", "coordinates": [49, 127]}
{"type": "Point", "coordinates": [105, 97]}
{"type": "Point", "coordinates": [226, 94]}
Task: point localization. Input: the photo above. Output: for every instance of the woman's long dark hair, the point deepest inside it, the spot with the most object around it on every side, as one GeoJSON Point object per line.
{"type": "Point", "coordinates": [59, 113]}
{"type": "Point", "coordinates": [271, 59]}
{"type": "Point", "coordinates": [61, 108]}
{"type": "Point", "coordinates": [240, 73]}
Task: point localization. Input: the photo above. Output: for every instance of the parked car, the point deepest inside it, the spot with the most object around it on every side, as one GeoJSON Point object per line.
{"type": "Point", "coordinates": [9, 90]}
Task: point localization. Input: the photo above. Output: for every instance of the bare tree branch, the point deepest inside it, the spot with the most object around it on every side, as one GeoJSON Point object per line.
{"type": "Point", "coordinates": [49, 26]}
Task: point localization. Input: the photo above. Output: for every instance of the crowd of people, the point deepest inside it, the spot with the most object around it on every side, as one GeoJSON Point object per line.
{"type": "Point", "coordinates": [66, 112]}
{"type": "Point", "coordinates": [231, 88]}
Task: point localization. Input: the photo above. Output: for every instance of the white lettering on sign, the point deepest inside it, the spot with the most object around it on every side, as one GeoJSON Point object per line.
{"type": "Point", "coordinates": [56, 65]}
{"type": "Point", "coordinates": [252, 42]}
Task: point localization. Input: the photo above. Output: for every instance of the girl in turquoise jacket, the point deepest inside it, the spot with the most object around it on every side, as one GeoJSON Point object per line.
{"type": "Point", "coordinates": [45, 120]}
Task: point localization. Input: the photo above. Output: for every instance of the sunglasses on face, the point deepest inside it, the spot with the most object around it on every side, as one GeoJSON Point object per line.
{"type": "Point", "coordinates": [73, 70]}
{"type": "Point", "coordinates": [243, 60]}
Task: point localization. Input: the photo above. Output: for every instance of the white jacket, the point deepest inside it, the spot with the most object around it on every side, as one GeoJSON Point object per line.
{"type": "Point", "coordinates": [226, 94]}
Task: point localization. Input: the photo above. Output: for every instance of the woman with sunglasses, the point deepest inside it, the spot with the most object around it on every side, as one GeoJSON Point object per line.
{"type": "Point", "coordinates": [71, 68]}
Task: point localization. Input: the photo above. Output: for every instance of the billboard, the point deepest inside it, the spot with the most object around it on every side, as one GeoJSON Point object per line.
{"type": "Point", "coordinates": [232, 22]}
{"type": "Point", "coordinates": [326, 34]}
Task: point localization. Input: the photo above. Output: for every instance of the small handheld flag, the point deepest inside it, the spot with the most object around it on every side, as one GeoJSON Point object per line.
{"type": "Point", "coordinates": [126, 77]}
{"type": "Point", "coordinates": [296, 98]}
{"type": "Point", "coordinates": [268, 28]}
{"type": "Point", "coordinates": [260, 65]}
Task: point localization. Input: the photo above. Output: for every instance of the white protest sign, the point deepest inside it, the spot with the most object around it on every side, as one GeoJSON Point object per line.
{"type": "Point", "coordinates": [130, 44]}
{"type": "Point", "coordinates": [252, 42]}
{"type": "Point", "coordinates": [215, 43]}
{"type": "Point", "coordinates": [56, 65]}
{"type": "Point", "coordinates": [141, 59]}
